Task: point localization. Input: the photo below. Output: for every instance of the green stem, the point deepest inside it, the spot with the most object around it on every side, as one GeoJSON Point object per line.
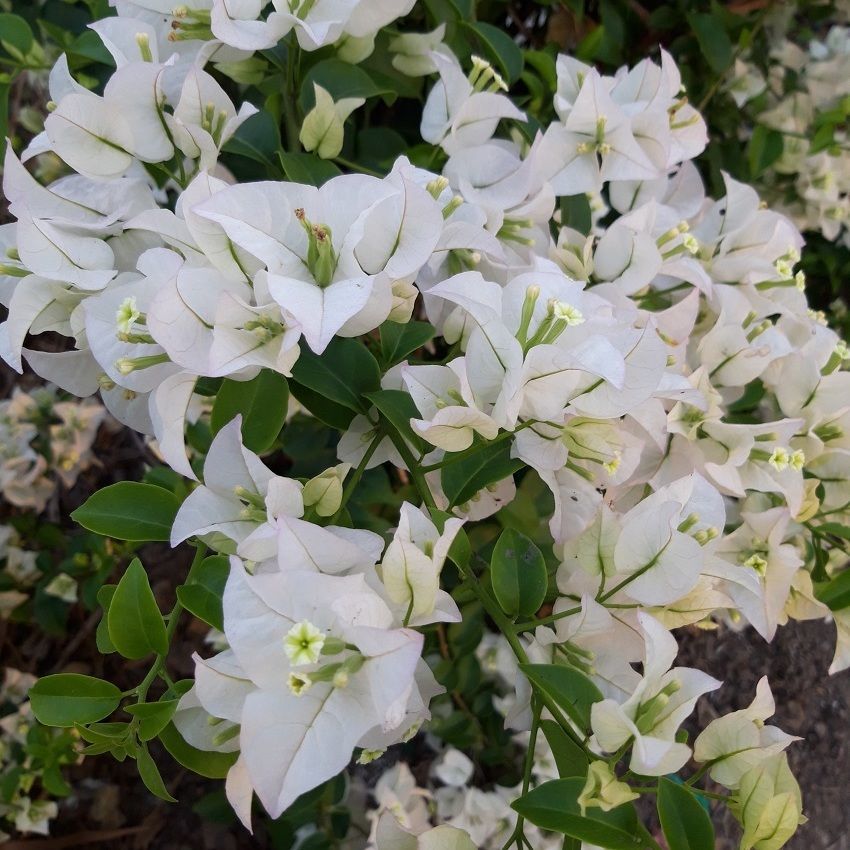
{"type": "Point", "coordinates": [351, 486]}
{"type": "Point", "coordinates": [354, 166]}
{"type": "Point", "coordinates": [518, 835]}
{"type": "Point", "coordinates": [416, 471]}
{"type": "Point", "coordinates": [290, 95]}
{"type": "Point", "coordinates": [454, 457]}
{"type": "Point", "coordinates": [545, 621]}
{"type": "Point", "coordinates": [506, 627]}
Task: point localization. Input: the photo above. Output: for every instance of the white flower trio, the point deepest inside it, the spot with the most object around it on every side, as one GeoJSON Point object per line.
{"type": "Point", "coordinates": [615, 363]}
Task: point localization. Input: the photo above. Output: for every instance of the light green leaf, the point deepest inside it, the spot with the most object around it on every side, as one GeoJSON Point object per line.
{"type": "Point", "coordinates": [129, 510]}
{"type": "Point", "coordinates": [684, 820]}
{"type": "Point", "coordinates": [68, 698]}
{"type": "Point", "coordinates": [135, 623]}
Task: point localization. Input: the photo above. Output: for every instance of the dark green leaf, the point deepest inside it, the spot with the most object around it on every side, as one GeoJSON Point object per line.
{"type": "Point", "coordinates": [685, 821]}
{"type": "Point", "coordinates": [764, 148]}
{"type": "Point", "coordinates": [16, 33]}
{"type": "Point", "coordinates": [397, 407]}
{"type": "Point", "coordinates": [836, 594]}
{"type": "Point", "coordinates": [569, 688]}
{"type": "Point", "coordinates": [257, 139]}
{"type": "Point", "coordinates": [713, 40]}
{"type": "Point", "coordinates": [202, 593]}
{"type": "Point", "coordinates": [153, 716]}
{"type": "Point", "coordinates": [307, 168]}
{"type": "Point", "coordinates": [836, 529]}
{"type": "Point", "coordinates": [498, 47]}
{"type": "Point", "coordinates": [341, 80]}
{"type": "Point", "coordinates": [68, 698]}
{"type": "Point", "coordinates": [262, 403]}
{"type": "Point", "coordinates": [343, 373]}
{"type": "Point", "coordinates": [205, 763]}
{"type": "Point", "coordinates": [518, 574]}
{"type": "Point", "coordinates": [101, 636]}
{"type": "Point", "coordinates": [136, 627]}
{"type": "Point", "coordinates": [462, 478]}
{"type": "Point", "coordinates": [554, 806]}
{"type": "Point", "coordinates": [151, 776]}
{"type": "Point", "coordinates": [569, 757]}
{"type": "Point", "coordinates": [129, 511]}
{"type": "Point", "coordinates": [397, 340]}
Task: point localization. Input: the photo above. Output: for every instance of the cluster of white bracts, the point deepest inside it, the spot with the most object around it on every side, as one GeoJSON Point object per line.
{"type": "Point", "coordinates": [29, 473]}
{"type": "Point", "coordinates": [612, 362]}
{"type": "Point", "coordinates": [802, 83]}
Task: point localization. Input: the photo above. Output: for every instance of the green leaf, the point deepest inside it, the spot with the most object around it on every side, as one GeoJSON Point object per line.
{"type": "Point", "coordinates": [323, 409]}
{"type": "Point", "coordinates": [518, 574]}
{"type": "Point", "coordinates": [569, 688]}
{"type": "Point", "coordinates": [129, 511]}
{"type": "Point", "coordinates": [764, 148]}
{"type": "Point", "coordinates": [498, 47]}
{"type": "Point", "coordinates": [341, 80]}
{"type": "Point", "coordinates": [569, 756]}
{"type": "Point", "coordinates": [307, 168]}
{"type": "Point", "coordinates": [257, 139]}
{"type": "Point", "coordinates": [202, 593]}
{"type": "Point", "coordinates": [576, 213]}
{"type": "Point", "coordinates": [205, 763]}
{"type": "Point", "coordinates": [397, 341]}
{"type": "Point", "coordinates": [554, 806]}
{"type": "Point", "coordinates": [685, 822]}
{"type": "Point", "coordinates": [16, 33]}
{"type": "Point", "coordinates": [836, 594]}
{"type": "Point", "coordinates": [397, 407]}
{"type": "Point", "coordinates": [135, 623]}
{"type": "Point", "coordinates": [713, 40]}
{"type": "Point", "coordinates": [68, 698]}
{"type": "Point", "coordinates": [153, 716]}
{"type": "Point", "coordinates": [101, 635]}
{"type": "Point", "coordinates": [262, 403]}
{"type": "Point", "coordinates": [836, 529]}
{"type": "Point", "coordinates": [463, 477]}
{"type": "Point", "coordinates": [151, 776]}
{"type": "Point", "coordinates": [343, 373]}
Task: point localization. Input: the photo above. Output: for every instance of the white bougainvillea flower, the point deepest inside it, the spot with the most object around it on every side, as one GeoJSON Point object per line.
{"type": "Point", "coordinates": [332, 253]}
{"type": "Point", "coordinates": [297, 729]}
{"type": "Point", "coordinates": [239, 493]}
{"type": "Point", "coordinates": [391, 835]}
{"type": "Point", "coordinates": [768, 804]}
{"type": "Point", "coordinates": [411, 566]}
{"type": "Point", "coordinates": [464, 111]}
{"type": "Point", "coordinates": [651, 716]}
{"type": "Point", "coordinates": [736, 742]}
{"type": "Point", "coordinates": [662, 541]}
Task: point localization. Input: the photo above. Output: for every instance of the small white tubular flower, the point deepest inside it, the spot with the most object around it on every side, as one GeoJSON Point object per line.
{"type": "Point", "coordinates": [411, 566]}
{"type": "Point", "coordinates": [650, 717]}
{"type": "Point", "coordinates": [733, 744]}
{"type": "Point", "coordinates": [303, 643]}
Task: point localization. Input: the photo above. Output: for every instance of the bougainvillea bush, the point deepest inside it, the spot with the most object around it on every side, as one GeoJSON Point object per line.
{"type": "Point", "coordinates": [466, 393]}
